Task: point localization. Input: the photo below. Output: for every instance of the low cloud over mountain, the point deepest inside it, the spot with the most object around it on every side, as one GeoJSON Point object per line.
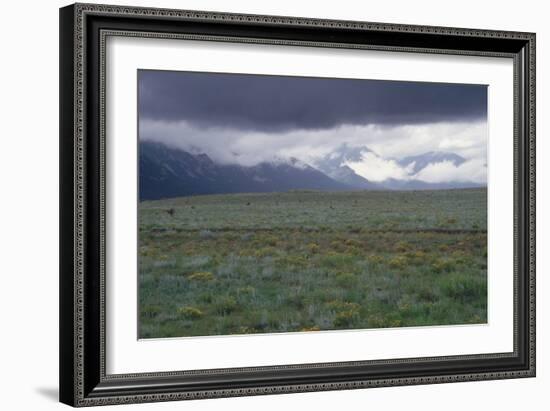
{"type": "Point", "coordinates": [423, 171]}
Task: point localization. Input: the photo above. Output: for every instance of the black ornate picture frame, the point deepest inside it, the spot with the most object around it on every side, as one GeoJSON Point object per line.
{"type": "Point", "coordinates": [84, 29]}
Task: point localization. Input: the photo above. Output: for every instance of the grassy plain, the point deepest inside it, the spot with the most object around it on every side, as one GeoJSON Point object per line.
{"type": "Point", "coordinates": [309, 261]}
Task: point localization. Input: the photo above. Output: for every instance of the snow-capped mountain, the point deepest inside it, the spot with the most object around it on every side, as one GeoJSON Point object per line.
{"type": "Point", "coordinates": [334, 164]}
{"type": "Point", "coordinates": [347, 164]}
{"type": "Point", "coordinates": [421, 161]}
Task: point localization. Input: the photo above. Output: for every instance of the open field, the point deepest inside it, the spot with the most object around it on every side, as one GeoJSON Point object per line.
{"type": "Point", "coordinates": [307, 261]}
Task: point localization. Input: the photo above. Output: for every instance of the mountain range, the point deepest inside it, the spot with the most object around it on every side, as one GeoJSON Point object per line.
{"type": "Point", "coordinates": [167, 172]}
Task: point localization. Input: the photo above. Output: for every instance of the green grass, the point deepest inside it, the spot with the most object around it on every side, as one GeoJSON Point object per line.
{"type": "Point", "coordinates": [309, 261]}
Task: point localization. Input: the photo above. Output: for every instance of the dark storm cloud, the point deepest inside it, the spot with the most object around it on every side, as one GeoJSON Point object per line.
{"type": "Point", "coordinates": [282, 103]}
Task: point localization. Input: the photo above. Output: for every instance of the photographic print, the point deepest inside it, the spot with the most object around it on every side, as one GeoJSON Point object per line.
{"type": "Point", "coordinates": [273, 204]}
{"type": "Point", "coordinates": [337, 204]}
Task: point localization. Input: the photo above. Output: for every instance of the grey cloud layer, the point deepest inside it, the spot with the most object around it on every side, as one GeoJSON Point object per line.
{"type": "Point", "coordinates": [467, 139]}
{"type": "Point", "coordinates": [281, 103]}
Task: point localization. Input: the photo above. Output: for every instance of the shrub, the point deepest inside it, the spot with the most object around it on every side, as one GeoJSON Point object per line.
{"type": "Point", "coordinates": [352, 242]}
{"type": "Point", "coordinates": [377, 321]}
{"type": "Point", "coordinates": [245, 252]}
{"type": "Point", "coordinates": [313, 248]}
{"type": "Point", "coordinates": [293, 261]}
{"type": "Point", "coordinates": [343, 305]}
{"type": "Point", "coordinates": [396, 323]}
{"type": "Point", "coordinates": [312, 328]}
{"type": "Point", "coordinates": [201, 276]}
{"type": "Point", "coordinates": [417, 257]}
{"type": "Point", "coordinates": [264, 252]}
{"type": "Point", "coordinates": [398, 262]}
{"type": "Point", "coordinates": [247, 290]}
{"type": "Point", "coordinates": [346, 318]}
{"type": "Point", "coordinates": [443, 247]}
{"type": "Point", "coordinates": [189, 312]}
{"type": "Point", "coordinates": [402, 246]}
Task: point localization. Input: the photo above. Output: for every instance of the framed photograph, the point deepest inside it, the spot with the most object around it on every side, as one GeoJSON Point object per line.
{"type": "Point", "coordinates": [261, 204]}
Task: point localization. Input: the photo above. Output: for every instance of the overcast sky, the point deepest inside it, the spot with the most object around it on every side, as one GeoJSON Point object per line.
{"type": "Point", "coordinates": [247, 119]}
